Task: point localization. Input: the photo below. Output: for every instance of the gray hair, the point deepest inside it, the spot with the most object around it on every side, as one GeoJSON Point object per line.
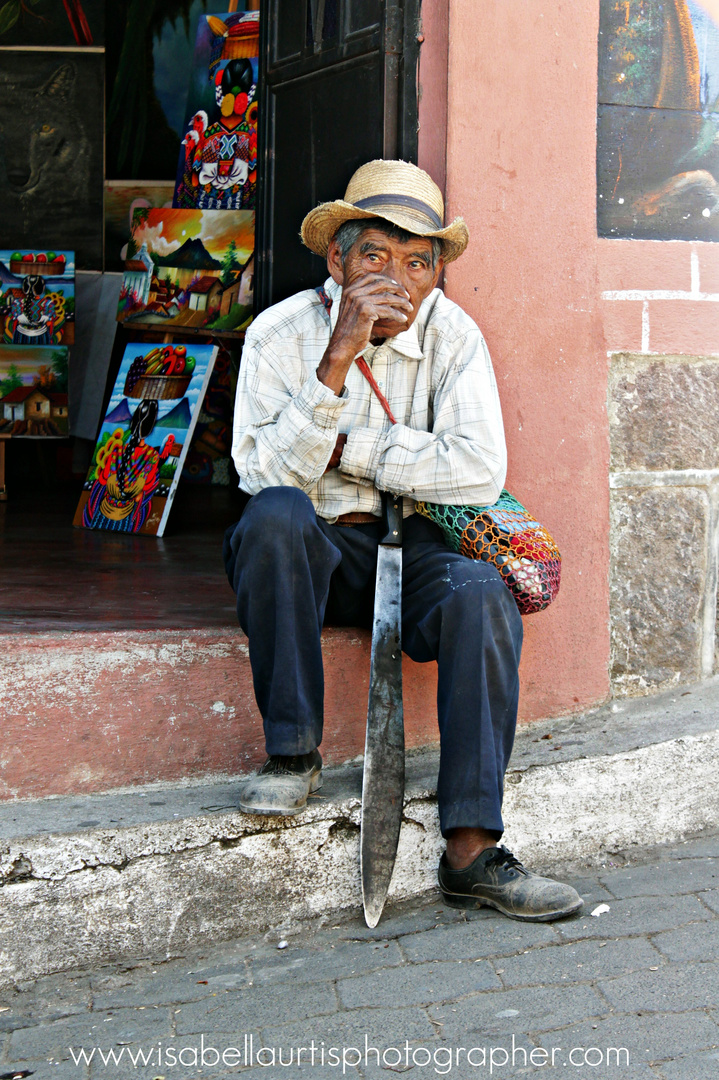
{"type": "Point", "coordinates": [349, 233]}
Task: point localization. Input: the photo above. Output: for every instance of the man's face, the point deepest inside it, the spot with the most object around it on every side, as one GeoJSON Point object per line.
{"type": "Point", "coordinates": [409, 264]}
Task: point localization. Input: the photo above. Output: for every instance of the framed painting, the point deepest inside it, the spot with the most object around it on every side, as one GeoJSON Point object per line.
{"type": "Point", "coordinates": [37, 297]}
{"type": "Point", "coordinates": [51, 152]}
{"type": "Point", "coordinates": [51, 24]}
{"type": "Point", "coordinates": [189, 271]}
{"type": "Point", "coordinates": [658, 120]}
{"type": "Point", "coordinates": [144, 438]}
{"type": "Point", "coordinates": [217, 168]}
{"type": "Point", "coordinates": [33, 392]}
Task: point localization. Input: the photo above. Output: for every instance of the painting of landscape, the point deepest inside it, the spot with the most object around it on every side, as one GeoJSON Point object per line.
{"type": "Point", "coordinates": [144, 437]}
{"type": "Point", "coordinates": [37, 297]}
{"type": "Point", "coordinates": [33, 392]}
{"type": "Point", "coordinates": [189, 271]}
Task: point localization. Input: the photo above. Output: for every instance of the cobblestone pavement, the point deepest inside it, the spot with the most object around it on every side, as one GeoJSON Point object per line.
{"type": "Point", "coordinates": [431, 992]}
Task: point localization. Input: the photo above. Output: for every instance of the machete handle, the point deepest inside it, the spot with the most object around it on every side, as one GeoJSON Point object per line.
{"type": "Point", "coordinates": [391, 519]}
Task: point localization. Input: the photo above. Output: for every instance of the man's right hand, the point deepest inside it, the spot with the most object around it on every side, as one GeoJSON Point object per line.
{"type": "Point", "coordinates": [369, 299]}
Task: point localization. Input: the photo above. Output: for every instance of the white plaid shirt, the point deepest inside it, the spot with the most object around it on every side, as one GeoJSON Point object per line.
{"type": "Point", "coordinates": [447, 445]}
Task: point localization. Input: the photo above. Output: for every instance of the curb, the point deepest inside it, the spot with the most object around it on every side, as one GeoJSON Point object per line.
{"type": "Point", "coordinates": [149, 872]}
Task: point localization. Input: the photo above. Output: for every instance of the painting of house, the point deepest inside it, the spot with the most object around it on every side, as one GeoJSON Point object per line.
{"type": "Point", "coordinates": [180, 263]}
{"type": "Point", "coordinates": [33, 392]}
{"type": "Point", "coordinates": [199, 293]}
{"type": "Point", "coordinates": [138, 275]}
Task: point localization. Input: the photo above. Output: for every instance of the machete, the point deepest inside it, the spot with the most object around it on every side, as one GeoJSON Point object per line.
{"type": "Point", "coordinates": [383, 777]}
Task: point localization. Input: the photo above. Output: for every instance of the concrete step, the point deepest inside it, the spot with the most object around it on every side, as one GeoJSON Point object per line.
{"type": "Point", "coordinates": [153, 871]}
{"type": "Point", "coordinates": [90, 711]}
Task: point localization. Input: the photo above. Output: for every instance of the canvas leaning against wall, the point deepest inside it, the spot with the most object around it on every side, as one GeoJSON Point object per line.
{"type": "Point", "coordinates": [37, 297]}
{"type": "Point", "coordinates": [189, 270]}
{"type": "Point", "coordinates": [145, 437]}
{"type": "Point", "coordinates": [217, 167]}
{"type": "Point", "coordinates": [658, 120]}
{"type": "Point", "coordinates": [33, 392]}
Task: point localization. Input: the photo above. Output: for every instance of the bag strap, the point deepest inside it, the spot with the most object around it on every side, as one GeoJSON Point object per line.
{"type": "Point", "coordinates": [359, 360]}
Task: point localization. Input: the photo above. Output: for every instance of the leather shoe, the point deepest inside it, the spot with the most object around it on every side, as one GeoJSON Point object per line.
{"type": "Point", "coordinates": [496, 879]}
{"type": "Point", "coordinates": [282, 784]}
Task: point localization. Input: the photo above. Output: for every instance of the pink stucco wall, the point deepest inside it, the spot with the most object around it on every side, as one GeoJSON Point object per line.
{"type": "Point", "coordinates": [520, 168]}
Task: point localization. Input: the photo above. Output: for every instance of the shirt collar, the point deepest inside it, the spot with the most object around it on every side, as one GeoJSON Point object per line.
{"type": "Point", "coordinates": [406, 343]}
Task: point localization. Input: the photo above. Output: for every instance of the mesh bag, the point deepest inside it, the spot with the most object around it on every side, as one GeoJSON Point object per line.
{"type": "Point", "coordinates": [507, 536]}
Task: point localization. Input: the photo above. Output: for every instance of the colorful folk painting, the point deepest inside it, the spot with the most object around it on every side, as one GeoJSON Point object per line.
{"type": "Point", "coordinates": [217, 168]}
{"type": "Point", "coordinates": [51, 152]}
{"type": "Point", "coordinates": [37, 297]}
{"type": "Point", "coordinates": [122, 199]}
{"type": "Point", "coordinates": [33, 392]}
{"type": "Point", "coordinates": [144, 438]}
{"type": "Point", "coordinates": [189, 270]}
{"type": "Point", "coordinates": [658, 120]}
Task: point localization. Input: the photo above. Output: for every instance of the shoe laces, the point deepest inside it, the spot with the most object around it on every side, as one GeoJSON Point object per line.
{"type": "Point", "coordinates": [501, 856]}
{"type": "Point", "coordinates": [279, 765]}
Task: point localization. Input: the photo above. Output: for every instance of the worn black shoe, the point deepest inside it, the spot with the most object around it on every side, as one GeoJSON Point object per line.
{"type": "Point", "coordinates": [282, 784]}
{"type": "Point", "coordinates": [496, 879]}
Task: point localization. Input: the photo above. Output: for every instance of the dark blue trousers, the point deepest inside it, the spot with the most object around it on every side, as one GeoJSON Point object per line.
{"type": "Point", "coordinates": [291, 571]}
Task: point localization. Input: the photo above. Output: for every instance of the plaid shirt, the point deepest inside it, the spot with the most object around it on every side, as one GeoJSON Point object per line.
{"type": "Point", "coordinates": [447, 445]}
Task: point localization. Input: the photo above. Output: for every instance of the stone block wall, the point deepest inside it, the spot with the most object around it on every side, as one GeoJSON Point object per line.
{"type": "Point", "coordinates": [664, 534]}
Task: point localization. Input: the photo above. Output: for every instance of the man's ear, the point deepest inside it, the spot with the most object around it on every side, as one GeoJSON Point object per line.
{"type": "Point", "coordinates": [334, 263]}
{"type": "Point", "coordinates": [437, 271]}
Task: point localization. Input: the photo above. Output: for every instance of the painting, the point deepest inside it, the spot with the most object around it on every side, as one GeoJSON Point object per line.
{"type": "Point", "coordinates": [49, 23]}
{"type": "Point", "coordinates": [208, 460]}
{"type": "Point", "coordinates": [51, 152]}
{"type": "Point", "coordinates": [217, 168]}
{"type": "Point", "coordinates": [33, 392]}
{"type": "Point", "coordinates": [189, 271]}
{"type": "Point", "coordinates": [122, 199]}
{"type": "Point", "coordinates": [37, 297]}
{"type": "Point", "coordinates": [149, 50]}
{"type": "Point", "coordinates": [144, 438]}
{"type": "Point", "coordinates": [658, 120]}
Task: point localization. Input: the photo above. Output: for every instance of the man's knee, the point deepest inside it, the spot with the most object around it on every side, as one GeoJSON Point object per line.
{"type": "Point", "coordinates": [268, 522]}
{"type": "Point", "coordinates": [476, 590]}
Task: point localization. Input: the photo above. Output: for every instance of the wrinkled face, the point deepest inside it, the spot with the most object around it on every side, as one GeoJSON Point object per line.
{"type": "Point", "coordinates": [409, 264]}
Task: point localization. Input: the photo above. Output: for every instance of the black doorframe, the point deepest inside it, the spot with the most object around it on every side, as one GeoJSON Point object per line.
{"type": "Point", "coordinates": [397, 41]}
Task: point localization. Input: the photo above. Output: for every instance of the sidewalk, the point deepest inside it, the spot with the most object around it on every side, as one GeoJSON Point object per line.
{"type": "Point", "coordinates": [641, 977]}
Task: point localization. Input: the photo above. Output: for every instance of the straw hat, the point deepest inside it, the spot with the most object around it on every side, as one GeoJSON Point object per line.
{"type": "Point", "coordinates": [394, 191]}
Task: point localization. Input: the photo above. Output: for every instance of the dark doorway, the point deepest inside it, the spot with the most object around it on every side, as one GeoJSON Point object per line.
{"type": "Point", "coordinates": [339, 87]}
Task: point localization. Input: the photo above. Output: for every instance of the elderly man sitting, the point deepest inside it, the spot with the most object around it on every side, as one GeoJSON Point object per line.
{"type": "Point", "coordinates": [314, 447]}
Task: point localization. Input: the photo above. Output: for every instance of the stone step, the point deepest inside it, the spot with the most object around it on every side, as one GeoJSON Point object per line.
{"type": "Point", "coordinates": [150, 872]}
{"type": "Point", "coordinates": [94, 710]}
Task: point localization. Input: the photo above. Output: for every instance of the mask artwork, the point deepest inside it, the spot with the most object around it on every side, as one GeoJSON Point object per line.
{"type": "Point", "coordinates": [217, 168]}
{"type": "Point", "coordinates": [37, 297]}
{"type": "Point", "coordinates": [144, 438]}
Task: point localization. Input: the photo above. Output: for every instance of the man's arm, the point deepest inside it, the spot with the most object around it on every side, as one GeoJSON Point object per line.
{"type": "Point", "coordinates": [463, 460]}
{"type": "Point", "coordinates": [285, 429]}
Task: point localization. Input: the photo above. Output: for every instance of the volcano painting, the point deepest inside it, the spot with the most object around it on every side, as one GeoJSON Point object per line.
{"type": "Point", "coordinates": [189, 270]}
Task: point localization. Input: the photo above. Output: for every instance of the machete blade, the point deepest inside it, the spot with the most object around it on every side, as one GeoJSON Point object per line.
{"type": "Point", "coordinates": [383, 778]}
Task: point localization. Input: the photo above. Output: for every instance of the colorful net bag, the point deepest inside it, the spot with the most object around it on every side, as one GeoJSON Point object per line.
{"type": "Point", "coordinates": [507, 536]}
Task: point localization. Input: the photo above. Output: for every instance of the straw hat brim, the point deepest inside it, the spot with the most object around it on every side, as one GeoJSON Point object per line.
{"type": "Point", "coordinates": [322, 223]}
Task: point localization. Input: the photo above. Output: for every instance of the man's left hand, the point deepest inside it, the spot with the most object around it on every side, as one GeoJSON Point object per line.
{"type": "Point", "coordinates": [334, 461]}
